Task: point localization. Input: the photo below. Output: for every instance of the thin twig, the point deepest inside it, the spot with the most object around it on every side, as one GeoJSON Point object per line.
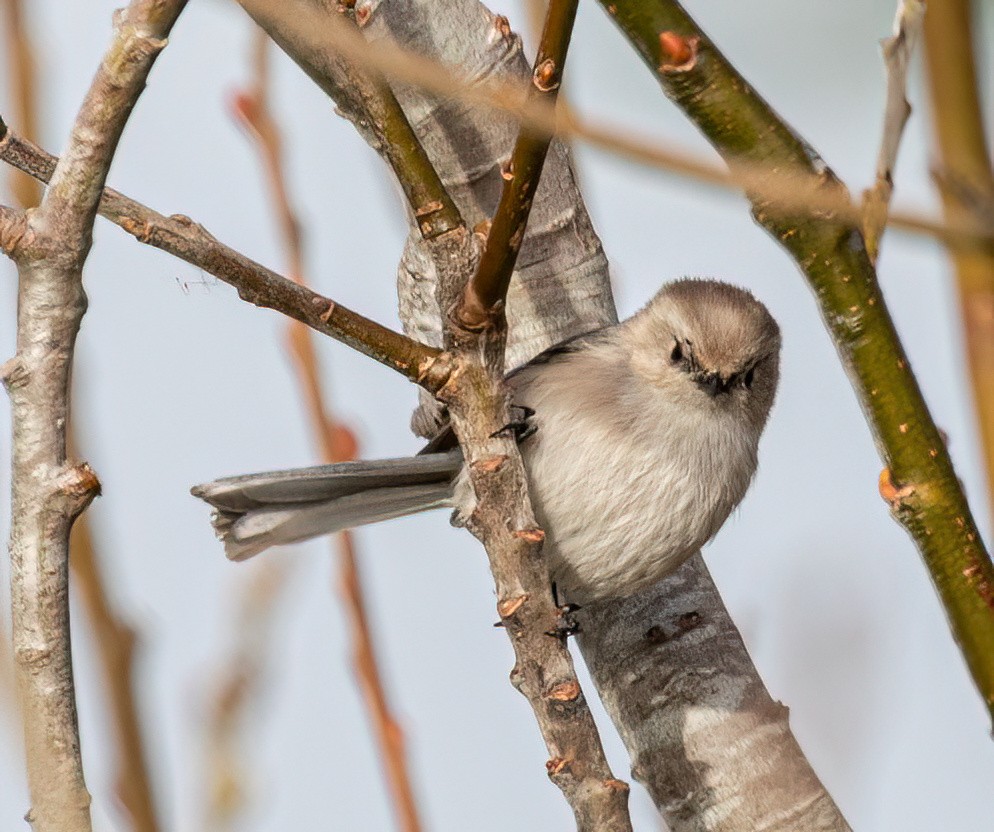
{"type": "Point", "coordinates": [189, 241]}
{"type": "Point", "coordinates": [486, 291]}
{"type": "Point", "coordinates": [116, 643]}
{"type": "Point", "coordinates": [966, 184]}
{"type": "Point", "coordinates": [918, 482]}
{"type": "Point", "coordinates": [788, 189]}
{"type": "Point", "coordinates": [335, 441]}
{"type": "Point", "coordinates": [897, 51]}
{"type": "Point", "coordinates": [49, 492]}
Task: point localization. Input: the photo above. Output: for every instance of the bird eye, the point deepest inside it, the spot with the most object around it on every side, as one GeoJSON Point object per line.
{"type": "Point", "coordinates": [677, 355]}
{"type": "Point", "coordinates": [749, 376]}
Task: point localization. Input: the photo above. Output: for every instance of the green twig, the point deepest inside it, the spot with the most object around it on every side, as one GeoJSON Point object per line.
{"type": "Point", "coordinates": [189, 241]}
{"type": "Point", "coordinates": [488, 287]}
{"type": "Point", "coordinates": [919, 481]}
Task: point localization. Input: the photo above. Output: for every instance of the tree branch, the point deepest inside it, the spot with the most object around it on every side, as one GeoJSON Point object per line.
{"type": "Point", "coordinates": [487, 289]}
{"type": "Point", "coordinates": [919, 482]}
{"type": "Point", "coordinates": [336, 443]}
{"type": "Point", "coordinates": [189, 241]}
{"type": "Point", "coordinates": [897, 51]}
{"type": "Point", "coordinates": [48, 492]}
{"type": "Point", "coordinates": [367, 101]}
{"type": "Point", "coordinates": [502, 518]}
{"type": "Point", "coordinates": [115, 640]}
{"type": "Point", "coordinates": [966, 185]}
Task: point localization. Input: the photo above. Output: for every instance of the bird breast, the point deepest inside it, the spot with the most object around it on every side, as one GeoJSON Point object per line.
{"type": "Point", "coordinates": [622, 506]}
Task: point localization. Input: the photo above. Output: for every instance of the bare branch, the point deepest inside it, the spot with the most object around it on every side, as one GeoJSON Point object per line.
{"type": "Point", "coordinates": [502, 518]}
{"type": "Point", "coordinates": [183, 238]}
{"type": "Point", "coordinates": [48, 492]}
{"type": "Point", "coordinates": [486, 291]}
{"type": "Point", "coordinates": [897, 51]}
{"type": "Point", "coordinates": [919, 482]}
{"type": "Point", "coordinates": [115, 640]}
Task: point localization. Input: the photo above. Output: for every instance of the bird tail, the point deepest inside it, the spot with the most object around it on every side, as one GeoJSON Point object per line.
{"type": "Point", "coordinates": [256, 511]}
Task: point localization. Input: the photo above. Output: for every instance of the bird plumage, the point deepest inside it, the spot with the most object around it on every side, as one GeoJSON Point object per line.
{"type": "Point", "coordinates": [646, 440]}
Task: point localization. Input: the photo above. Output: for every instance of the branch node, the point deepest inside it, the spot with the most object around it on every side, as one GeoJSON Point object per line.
{"type": "Point", "coordinates": [77, 485]}
{"type": "Point", "coordinates": [509, 606]}
{"type": "Point", "coordinates": [490, 464]}
{"type": "Point", "coordinates": [534, 535]}
{"type": "Point", "coordinates": [677, 53]}
{"type": "Point", "coordinates": [545, 77]}
{"type": "Point", "coordinates": [893, 494]}
{"type": "Point", "coordinates": [556, 766]}
{"type": "Point", "coordinates": [14, 374]}
{"type": "Point", "coordinates": [564, 692]}
{"type": "Point", "coordinates": [502, 26]}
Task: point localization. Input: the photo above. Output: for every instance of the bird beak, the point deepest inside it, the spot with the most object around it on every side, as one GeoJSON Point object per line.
{"type": "Point", "coordinates": [713, 384]}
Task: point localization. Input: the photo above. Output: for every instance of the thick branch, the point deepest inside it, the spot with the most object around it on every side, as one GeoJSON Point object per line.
{"type": "Point", "coordinates": [48, 492]}
{"type": "Point", "coordinates": [183, 238]}
{"type": "Point", "coordinates": [919, 482]}
{"type": "Point", "coordinates": [714, 750]}
{"type": "Point", "coordinates": [966, 184]}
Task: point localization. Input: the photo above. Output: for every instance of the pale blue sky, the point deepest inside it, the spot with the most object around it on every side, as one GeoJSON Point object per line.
{"type": "Point", "coordinates": [180, 382]}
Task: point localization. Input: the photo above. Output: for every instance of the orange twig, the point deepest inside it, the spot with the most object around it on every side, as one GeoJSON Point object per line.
{"type": "Point", "coordinates": [336, 443]}
{"type": "Point", "coordinates": [23, 80]}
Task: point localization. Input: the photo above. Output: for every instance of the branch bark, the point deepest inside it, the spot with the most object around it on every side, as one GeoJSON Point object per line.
{"type": "Point", "coordinates": [477, 401]}
{"type": "Point", "coordinates": [918, 482]}
{"type": "Point", "coordinates": [966, 185]}
{"type": "Point", "coordinates": [49, 492]}
{"type": "Point", "coordinates": [561, 288]}
{"type": "Point", "coordinates": [189, 241]}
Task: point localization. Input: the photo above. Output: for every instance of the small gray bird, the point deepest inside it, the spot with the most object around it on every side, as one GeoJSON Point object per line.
{"type": "Point", "coordinates": [645, 439]}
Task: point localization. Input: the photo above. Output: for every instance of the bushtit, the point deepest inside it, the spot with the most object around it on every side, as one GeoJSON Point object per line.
{"type": "Point", "coordinates": [645, 439]}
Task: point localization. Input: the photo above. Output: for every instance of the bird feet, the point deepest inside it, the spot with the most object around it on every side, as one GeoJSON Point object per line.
{"type": "Point", "coordinates": [520, 426]}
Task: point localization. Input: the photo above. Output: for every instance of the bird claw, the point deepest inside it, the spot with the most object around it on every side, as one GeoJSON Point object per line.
{"type": "Point", "coordinates": [520, 427]}
{"type": "Point", "coordinates": [566, 624]}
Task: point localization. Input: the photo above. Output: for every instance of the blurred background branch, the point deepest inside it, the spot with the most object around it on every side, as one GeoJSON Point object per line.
{"type": "Point", "coordinates": [966, 184]}
{"type": "Point", "coordinates": [335, 442]}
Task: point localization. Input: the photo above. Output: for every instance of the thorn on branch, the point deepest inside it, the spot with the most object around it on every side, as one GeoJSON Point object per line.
{"type": "Point", "coordinates": [14, 374]}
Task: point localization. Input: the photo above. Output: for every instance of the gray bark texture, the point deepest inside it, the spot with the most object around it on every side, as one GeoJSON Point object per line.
{"type": "Point", "coordinates": [711, 746]}
{"type": "Point", "coordinates": [50, 245]}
